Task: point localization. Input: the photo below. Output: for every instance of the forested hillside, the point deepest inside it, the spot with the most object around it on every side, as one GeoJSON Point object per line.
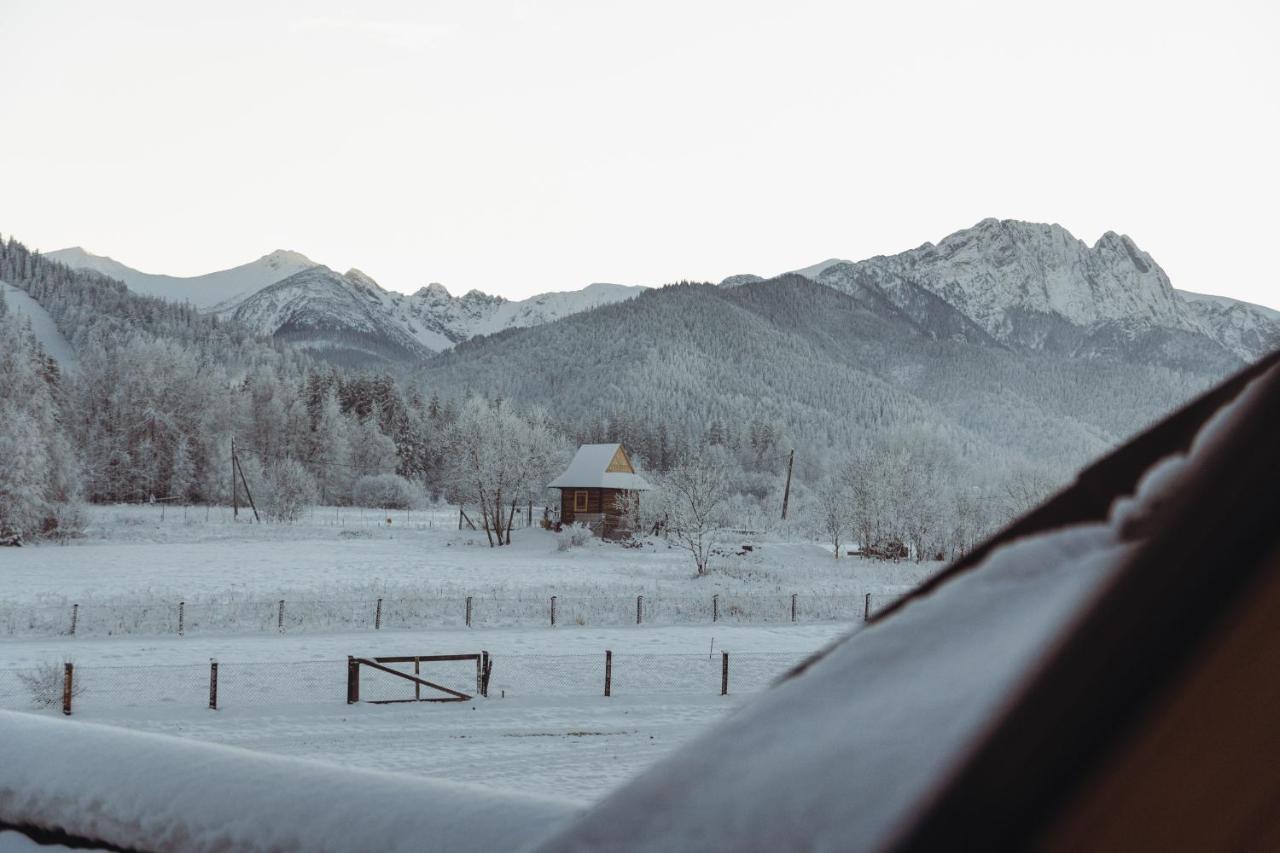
{"type": "Point", "coordinates": [161, 392]}
{"type": "Point", "coordinates": [814, 368]}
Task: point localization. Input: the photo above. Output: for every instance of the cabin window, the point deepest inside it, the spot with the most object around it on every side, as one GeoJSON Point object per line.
{"type": "Point", "coordinates": [580, 500]}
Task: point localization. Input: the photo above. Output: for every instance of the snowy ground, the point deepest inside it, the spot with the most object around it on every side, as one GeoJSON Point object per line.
{"type": "Point", "coordinates": [552, 732]}
{"type": "Point", "coordinates": [130, 553]}
{"type": "Point", "coordinates": [546, 726]}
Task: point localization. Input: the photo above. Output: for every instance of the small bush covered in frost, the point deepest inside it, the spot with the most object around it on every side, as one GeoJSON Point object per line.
{"type": "Point", "coordinates": [290, 490]}
{"type": "Point", "coordinates": [384, 491]}
{"type": "Point", "coordinates": [573, 536]}
{"type": "Point", "coordinates": [44, 684]}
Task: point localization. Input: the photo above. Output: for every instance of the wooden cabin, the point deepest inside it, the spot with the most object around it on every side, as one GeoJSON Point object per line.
{"type": "Point", "coordinates": [590, 487]}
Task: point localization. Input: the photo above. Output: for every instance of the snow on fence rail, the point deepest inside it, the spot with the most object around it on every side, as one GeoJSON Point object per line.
{"type": "Point", "coordinates": [238, 616]}
{"type": "Point", "coordinates": [239, 685]}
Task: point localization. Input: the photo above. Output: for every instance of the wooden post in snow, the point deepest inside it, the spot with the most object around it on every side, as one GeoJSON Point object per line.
{"type": "Point", "coordinates": [182, 606]}
{"type": "Point", "coordinates": [213, 685]}
{"type": "Point", "coordinates": [786, 493]}
{"type": "Point", "coordinates": [608, 672]}
{"type": "Point", "coordinates": [68, 674]}
{"type": "Point", "coordinates": [553, 611]}
{"type": "Point", "coordinates": [468, 611]}
{"type": "Point", "coordinates": [75, 614]}
{"type": "Point", "coordinates": [724, 673]}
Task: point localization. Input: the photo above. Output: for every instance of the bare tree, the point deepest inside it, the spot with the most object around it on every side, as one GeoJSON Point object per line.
{"type": "Point", "coordinates": [693, 494]}
{"type": "Point", "coordinates": [1025, 487]}
{"type": "Point", "coordinates": [497, 456]}
{"type": "Point", "coordinates": [835, 510]}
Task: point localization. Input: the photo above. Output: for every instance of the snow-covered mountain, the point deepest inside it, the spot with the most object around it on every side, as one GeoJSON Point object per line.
{"type": "Point", "coordinates": [1036, 286]}
{"type": "Point", "coordinates": [1243, 327]}
{"type": "Point", "coordinates": [221, 288]}
{"type": "Point", "coordinates": [441, 320]}
{"type": "Point", "coordinates": [343, 318]}
{"type": "Point", "coordinates": [350, 317]}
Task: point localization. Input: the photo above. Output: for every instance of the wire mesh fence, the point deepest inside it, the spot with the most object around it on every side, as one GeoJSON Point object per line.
{"type": "Point", "coordinates": [249, 616]}
{"type": "Point", "coordinates": [244, 685]}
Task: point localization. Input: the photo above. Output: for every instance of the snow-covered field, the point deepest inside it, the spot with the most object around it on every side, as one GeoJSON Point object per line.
{"type": "Point", "coordinates": [546, 725]}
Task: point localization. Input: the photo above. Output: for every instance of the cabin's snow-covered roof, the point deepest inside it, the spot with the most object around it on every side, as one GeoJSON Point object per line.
{"type": "Point", "coordinates": [590, 470]}
{"type": "Point", "coordinates": [843, 754]}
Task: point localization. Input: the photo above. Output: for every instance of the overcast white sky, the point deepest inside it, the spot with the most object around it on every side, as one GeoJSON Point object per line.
{"type": "Point", "coordinates": [522, 147]}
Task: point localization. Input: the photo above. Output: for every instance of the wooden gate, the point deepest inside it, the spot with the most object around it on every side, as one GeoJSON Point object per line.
{"type": "Point", "coordinates": [484, 667]}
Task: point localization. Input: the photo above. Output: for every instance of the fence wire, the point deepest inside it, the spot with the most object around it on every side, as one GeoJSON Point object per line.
{"type": "Point", "coordinates": [317, 683]}
{"type": "Point", "coordinates": [248, 616]}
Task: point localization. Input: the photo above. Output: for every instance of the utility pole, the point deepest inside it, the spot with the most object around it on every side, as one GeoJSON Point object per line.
{"type": "Point", "coordinates": [786, 493]}
{"type": "Point", "coordinates": [235, 503]}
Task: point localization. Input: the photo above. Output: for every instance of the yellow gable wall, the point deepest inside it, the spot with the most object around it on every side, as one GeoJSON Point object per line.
{"type": "Point", "coordinates": [620, 464]}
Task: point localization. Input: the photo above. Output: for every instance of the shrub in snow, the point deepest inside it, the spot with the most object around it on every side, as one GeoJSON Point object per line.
{"type": "Point", "coordinates": [66, 521]}
{"type": "Point", "coordinates": [385, 491]}
{"type": "Point", "coordinates": [290, 488]}
{"type": "Point", "coordinates": [44, 684]}
{"type": "Point", "coordinates": [573, 536]}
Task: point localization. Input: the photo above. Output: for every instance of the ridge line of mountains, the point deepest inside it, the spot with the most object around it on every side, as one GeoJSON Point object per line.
{"type": "Point", "coordinates": [1007, 283]}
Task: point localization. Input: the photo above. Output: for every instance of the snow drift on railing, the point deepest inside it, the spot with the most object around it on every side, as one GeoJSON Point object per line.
{"type": "Point", "coordinates": [151, 792]}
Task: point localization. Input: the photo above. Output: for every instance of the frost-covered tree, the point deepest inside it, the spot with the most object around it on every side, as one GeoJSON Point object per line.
{"type": "Point", "coordinates": [834, 509]}
{"type": "Point", "coordinates": [289, 488]}
{"type": "Point", "coordinates": [330, 454]}
{"type": "Point", "coordinates": [693, 495]}
{"type": "Point", "coordinates": [495, 457]}
{"type": "Point", "coordinates": [38, 472]}
{"type": "Point", "coordinates": [372, 451]}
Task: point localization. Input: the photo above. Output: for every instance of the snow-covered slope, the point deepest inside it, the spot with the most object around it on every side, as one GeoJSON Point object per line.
{"type": "Point", "coordinates": [441, 320]}
{"type": "Point", "coordinates": [1035, 285]}
{"type": "Point", "coordinates": [432, 318]}
{"type": "Point", "coordinates": [221, 288]}
{"type": "Point", "coordinates": [42, 326]}
{"type": "Point", "coordinates": [1247, 329]}
{"type": "Point", "coordinates": [334, 310]}
{"type": "Point", "coordinates": [345, 318]}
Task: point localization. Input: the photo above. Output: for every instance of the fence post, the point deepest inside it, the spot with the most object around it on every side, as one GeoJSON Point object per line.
{"type": "Point", "coordinates": [553, 611]}
{"type": "Point", "coordinates": [213, 685]}
{"type": "Point", "coordinates": [75, 613]}
{"type": "Point", "coordinates": [67, 677]}
{"type": "Point", "coordinates": [724, 673]}
{"type": "Point", "coordinates": [468, 611]}
{"type": "Point", "coordinates": [488, 671]}
{"type": "Point", "coordinates": [715, 608]}
{"type": "Point", "coordinates": [608, 672]}
{"type": "Point", "coordinates": [377, 617]}
{"type": "Point", "coordinates": [866, 608]}
{"type": "Point", "coordinates": [280, 617]}
{"type": "Point", "coordinates": [353, 680]}
{"type": "Point", "coordinates": [182, 606]}
{"type": "Point", "coordinates": [793, 607]}
{"type": "Point", "coordinates": [417, 673]}
{"type": "Point", "coordinates": [639, 609]}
